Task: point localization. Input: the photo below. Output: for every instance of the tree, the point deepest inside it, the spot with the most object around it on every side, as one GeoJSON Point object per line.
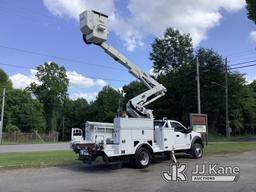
{"type": "Point", "coordinates": [251, 7]}
{"type": "Point", "coordinates": [252, 105]}
{"type": "Point", "coordinates": [51, 91]}
{"type": "Point", "coordinates": [171, 51]}
{"type": "Point", "coordinates": [173, 58]}
{"type": "Point", "coordinates": [75, 114]}
{"type": "Point", "coordinates": [24, 112]}
{"type": "Point", "coordinates": [212, 74]}
{"type": "Point", "coordinates": [106, 105]}
{"type": "Point", "coordinates": [4, 81]}
{"type": "Point", "coordinates": [132, 90]}
{"type": "Point", "coordinates": [12, 128]}
{"type": "Point", "coordinates": [252, 86]}
{"type": "Point", "coordinates": [179, 77]}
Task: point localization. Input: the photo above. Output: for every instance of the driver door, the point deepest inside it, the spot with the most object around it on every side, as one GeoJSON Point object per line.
{"type": "Point", "coordinates": [182, 139]}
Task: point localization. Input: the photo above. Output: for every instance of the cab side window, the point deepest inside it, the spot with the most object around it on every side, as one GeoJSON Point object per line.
{"type": "Point", "coordinates": [177, 127]}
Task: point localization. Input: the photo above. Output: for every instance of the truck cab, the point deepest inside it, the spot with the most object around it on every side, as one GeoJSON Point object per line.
{"type": "Point", "coordinates": [184, 137]}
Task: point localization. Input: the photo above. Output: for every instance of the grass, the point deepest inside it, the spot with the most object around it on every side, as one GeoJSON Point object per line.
{"type": "Point", "coordinates": [37, 159]}
{"type": "Point", "coordinates": [25, 142]}
{"type": "Point", "coordinates": [58, 158]}
{"type": "Point", "coordinates": [213, 137]}
{"type": "Point", "coordinates": [235, 147]}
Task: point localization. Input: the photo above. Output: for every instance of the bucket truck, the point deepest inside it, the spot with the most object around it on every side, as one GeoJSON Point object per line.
{"type": "Point", "coordinates": [136, 137]}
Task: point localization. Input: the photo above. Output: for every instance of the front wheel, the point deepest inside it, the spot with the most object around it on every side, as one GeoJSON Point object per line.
{"type": "Point", "coordinates": [197, 151]}
{"type": "Point", "coordinates": [142, 158]}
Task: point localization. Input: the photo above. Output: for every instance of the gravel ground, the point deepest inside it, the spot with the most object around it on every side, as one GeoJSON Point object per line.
{"type": "Point", "coordinates": [84, 178]}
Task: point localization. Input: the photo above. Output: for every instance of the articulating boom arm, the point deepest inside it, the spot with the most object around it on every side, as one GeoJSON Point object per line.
{"type": "Point", "coordinates": [93, 25]}
{"type": "Point", "coordinates": [136, 105]}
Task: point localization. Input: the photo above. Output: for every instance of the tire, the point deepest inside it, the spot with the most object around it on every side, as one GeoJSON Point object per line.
{"type": "Point", "coordinates": [142, 158]}
{"type": "Point", "coordinates": [197, 151]}
{"type": "Point", "coordinates": [168, 155]}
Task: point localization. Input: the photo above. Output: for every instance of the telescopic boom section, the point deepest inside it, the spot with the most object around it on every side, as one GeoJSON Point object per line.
{"type": "Point", "coordinates": [94, 28]}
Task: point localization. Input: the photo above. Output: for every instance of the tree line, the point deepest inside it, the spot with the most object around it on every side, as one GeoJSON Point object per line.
{"type": "Point", "coordinates": [45, 106]}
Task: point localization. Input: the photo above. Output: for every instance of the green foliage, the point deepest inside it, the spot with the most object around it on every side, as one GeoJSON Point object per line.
{"type": "Point", "coordinates": [171, 51]}
{"type": "Point", "coordinates": [180, 98]}
{"type": "Point", "coordinates": [52, 91]}
{"type": "Point", "coordinates": [4, 81]}
{"type": "Point", "coordinates": [251, 7]}
{"type": "Point", "coordinates": [106, 105]}
{"type": "Point", "coordinates": [75, 113]}
{"type": "Point", "coordinates": [12, 128]}
{"type": "Point", "coordinates": [174, 63]}
{"type": "Point", "coordinates": [179, 78]}
{"type": "Point", "coordinates": [249, 109]}
{"type": "Point", "coordinates": [133, 89]}
{"type": "Point", "coordinates": [212, 80]}
{"type": "Point", "coordinates": [23, 111]}
{"type": "Point", "coordinates": [252, 86]}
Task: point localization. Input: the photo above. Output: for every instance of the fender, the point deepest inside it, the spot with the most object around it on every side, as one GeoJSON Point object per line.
{"type": "Point", "coordinates": [146, 145]}
{"type": "Point", "coordinates": [197, 139]}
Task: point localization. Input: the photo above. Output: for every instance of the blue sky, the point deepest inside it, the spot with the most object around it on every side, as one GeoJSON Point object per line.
{"type": "Point", "coordinates": [33, 32]}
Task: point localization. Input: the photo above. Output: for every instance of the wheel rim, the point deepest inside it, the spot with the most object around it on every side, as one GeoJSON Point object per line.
{"type": "Point", "coordinates": [198, 152]}
{"type": "Point", "coordinates": [144, 158]}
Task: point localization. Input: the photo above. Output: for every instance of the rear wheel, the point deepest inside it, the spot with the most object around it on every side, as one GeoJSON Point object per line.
{"type": "Point", "coordinates": [197, 151]}
{"type": "Point", "coordinates": [142, 158]}
{"type": "Point", "coordinates": [168, 155]}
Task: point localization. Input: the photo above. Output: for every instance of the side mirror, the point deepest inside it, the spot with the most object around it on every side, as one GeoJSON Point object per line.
{"type": "Point", "coordinates": [188, 130]}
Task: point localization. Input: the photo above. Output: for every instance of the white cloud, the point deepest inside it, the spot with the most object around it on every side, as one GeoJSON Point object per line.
{"type": "Point", "coordinates": [160, 72]}
{"type": "Point", "coordinates": [151, 71]}
{"type": "Point", "coordinates": [248, 82]}
{"type": "Point", "coordinates": [101, 82]}
{"type": "Point", "coordinates": [249, 79]}
{"type": "Point", "coordinates": [196, 17]}
{"type": "Point", "coordinates": [88, 96]}
{"type": "Point", "coordinates": [120, 89]}
{"type": "Point", "coordinates": [72, 8]}
{"type": "Point", "coordinates": [253, 35]}
{"type": "Point", "coordinates": [131, 36]}
{"type": "Point", "coordinates": [21, 81]}
{"type": "Point", "coordinates": [79, 80]}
